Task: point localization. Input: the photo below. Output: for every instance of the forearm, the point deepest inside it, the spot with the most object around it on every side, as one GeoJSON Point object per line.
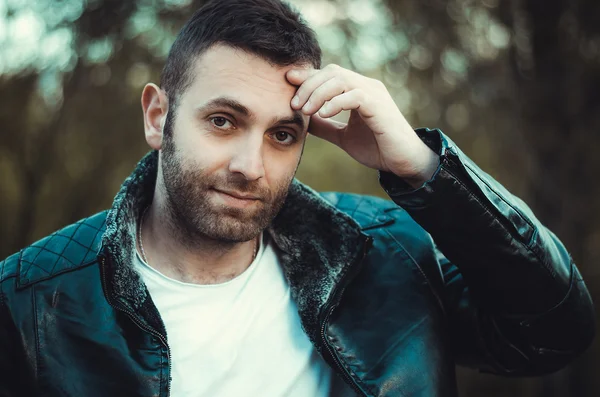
{"type": "Point", "coordinates": [489, 234]}
{"type": "Point", "coordinates": [516, 270]}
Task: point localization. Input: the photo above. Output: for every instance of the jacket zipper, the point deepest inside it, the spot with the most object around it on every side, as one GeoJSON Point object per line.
{"type": "Point", "coordinates": [141, 325]}
{"type": "Point", "coordinates": [333, 304]}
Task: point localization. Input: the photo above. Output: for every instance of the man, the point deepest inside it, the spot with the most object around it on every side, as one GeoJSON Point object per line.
{"type": "Point", "coordinates": [215, 273]}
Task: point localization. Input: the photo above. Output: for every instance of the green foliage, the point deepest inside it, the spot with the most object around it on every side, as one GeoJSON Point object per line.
{"type": "Point", "coordinates": [515, 84]}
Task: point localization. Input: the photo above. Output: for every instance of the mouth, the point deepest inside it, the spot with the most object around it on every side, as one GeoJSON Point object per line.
{"type": "Point", "coordinates": [236, 199]}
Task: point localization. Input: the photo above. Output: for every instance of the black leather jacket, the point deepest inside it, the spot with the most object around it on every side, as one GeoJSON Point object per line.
{"type": "Point", "coordinates": [393, 294]}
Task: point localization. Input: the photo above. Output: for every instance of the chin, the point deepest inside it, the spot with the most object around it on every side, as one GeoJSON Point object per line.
{"type": "Point", "coordinates": [229, 229]}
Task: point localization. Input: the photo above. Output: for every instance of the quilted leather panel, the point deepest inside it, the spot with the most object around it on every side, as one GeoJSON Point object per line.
{"type": "Point", "coordinates": [65, 249]}
{"type": "Point", "coordinates": [368, 211]}
{"type": "Point", "coordinates": [8, 267]}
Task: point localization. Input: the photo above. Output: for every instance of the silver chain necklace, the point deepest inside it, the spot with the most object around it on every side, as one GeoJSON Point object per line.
{"type": "Point", "coordinates": [140, 224]}
{"type": "Point", "coordinates": [140, 239]}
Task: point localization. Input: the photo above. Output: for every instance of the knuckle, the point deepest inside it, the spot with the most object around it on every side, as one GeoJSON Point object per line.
{"type": "Point", "coordinates": [375, 82]}
{"type": "Point", "coordinates": [379, 85]}
{"type": "Point", "coordinates": [360, 94]}
{"type": "Point", "coordinates": [300, 93]}
{"type": "Point", "coordinates": [334, 102]}
{"type": "Point", "coordinates": [341, 80]}
{"type": "Point", "coordinates": [304, 93]}
{"type": "Point", "coordinates": [319, 92]}
{"type": "Point", "coordinates": [313, 99]}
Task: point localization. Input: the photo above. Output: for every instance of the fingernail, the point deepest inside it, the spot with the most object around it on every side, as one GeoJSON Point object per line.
{"type": "Point", "coordinates": [295, 101]}
{"type": "Point", "coordinates": [324, 109]}
{"type": "Point", "coordinates": [306, 106]}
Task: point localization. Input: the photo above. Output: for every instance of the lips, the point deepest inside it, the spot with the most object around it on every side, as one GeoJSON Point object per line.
{"type": "Point", "coordinates": [238, 195]}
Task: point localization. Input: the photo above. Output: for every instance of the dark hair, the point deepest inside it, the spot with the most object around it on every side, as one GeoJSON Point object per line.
{"type": "Point", "coordinates": [270, 29]}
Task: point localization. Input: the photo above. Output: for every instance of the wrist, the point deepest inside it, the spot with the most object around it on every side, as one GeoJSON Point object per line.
{"type": "Point", "coordinates": [427, 164]}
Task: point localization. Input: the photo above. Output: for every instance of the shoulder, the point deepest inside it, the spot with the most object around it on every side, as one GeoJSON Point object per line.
{"type": "Point", "coordinates": [8, 267]}
{"type": "Point", "coordinates": [391, 227]}
{"type": "Point", "coordinates": [371, 211]}
{"type": "Point", "coordinates": [365, 210]}
{"type": "Point", "coordinates": [66, 249]}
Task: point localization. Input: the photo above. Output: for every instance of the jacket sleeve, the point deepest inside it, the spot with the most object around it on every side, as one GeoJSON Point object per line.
{"type": "Point", "coordinates": [11, 378]}
{"type": "Point", "coordinates": [6, 356]}
{"type": "Point", "coordinates": [515, 302]}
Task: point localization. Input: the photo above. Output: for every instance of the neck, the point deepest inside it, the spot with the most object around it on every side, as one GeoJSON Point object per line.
{"type": "Point", "coordinates": [206, 261]}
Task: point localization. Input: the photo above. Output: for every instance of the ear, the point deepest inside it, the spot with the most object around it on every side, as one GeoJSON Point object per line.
{"type": "Point", "coordinates": [155, 105]}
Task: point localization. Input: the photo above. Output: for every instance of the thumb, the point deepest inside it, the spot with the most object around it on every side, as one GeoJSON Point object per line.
{"type": "Point", "coordinates": [327, 129]}
{"type": "Point", "coordinates": [298, 76]}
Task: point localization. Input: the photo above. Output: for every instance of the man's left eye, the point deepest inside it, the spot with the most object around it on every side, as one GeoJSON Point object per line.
{"type": "Point", "coordinates": [219, 121]}
{"type": "Point", "coordinates": [284, 137]}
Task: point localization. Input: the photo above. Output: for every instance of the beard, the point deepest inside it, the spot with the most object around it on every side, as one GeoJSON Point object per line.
{"type": "Point", "coordinates": [188, 189]}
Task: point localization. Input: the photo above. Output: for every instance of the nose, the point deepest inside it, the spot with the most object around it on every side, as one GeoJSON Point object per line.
{"type": "Point", "coordinates": [248, 158]}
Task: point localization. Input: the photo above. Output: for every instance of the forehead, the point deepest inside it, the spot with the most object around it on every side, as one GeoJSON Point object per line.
{"type": "Point", "coordinates": [225, 71]}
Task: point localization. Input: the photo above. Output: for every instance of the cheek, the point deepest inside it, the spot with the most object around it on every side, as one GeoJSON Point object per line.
{"type": "Point", "coordinates": [280, 167]}
{"type": "Point", "coordinates": [201, 151]}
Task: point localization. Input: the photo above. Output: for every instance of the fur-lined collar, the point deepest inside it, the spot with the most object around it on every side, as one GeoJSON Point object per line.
{"type": "Point", "coordinates": [317, 244]}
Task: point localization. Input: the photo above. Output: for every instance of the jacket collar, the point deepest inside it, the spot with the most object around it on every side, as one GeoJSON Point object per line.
{"type": "Point", "coordinates": [316, 243]}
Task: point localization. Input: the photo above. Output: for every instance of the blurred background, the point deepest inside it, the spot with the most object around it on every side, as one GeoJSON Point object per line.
{"type": "Point", "coordinates": [515, 83]}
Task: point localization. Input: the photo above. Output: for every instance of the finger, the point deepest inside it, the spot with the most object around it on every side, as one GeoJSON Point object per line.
{"type": "Point", "coordinates": [351, 100]}
{"type": "Point", "coordinates": [323, 93]}
{"type": "Point", "coordinates": [330, 130]}
{"type": "Point", "coordinates": [299, 76]}
{"type": "Point", "coordinates": [311, 83]}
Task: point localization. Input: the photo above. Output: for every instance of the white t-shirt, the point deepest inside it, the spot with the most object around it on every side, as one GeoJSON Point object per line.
{"type": "Point", "coordinates": [239, 338]}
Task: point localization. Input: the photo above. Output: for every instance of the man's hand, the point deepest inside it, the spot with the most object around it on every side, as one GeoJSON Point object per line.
{"type": "Point", "coordinates": [376, 135]}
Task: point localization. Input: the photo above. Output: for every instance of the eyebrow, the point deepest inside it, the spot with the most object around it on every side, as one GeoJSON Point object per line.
{"type": "Point", "coordinates": [238, 107]}
{"type": "Point", "coordinates": [296, 119]}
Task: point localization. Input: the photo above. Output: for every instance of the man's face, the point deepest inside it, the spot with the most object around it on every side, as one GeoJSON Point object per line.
{"type": "Point", "coordinates": [233, 134]}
